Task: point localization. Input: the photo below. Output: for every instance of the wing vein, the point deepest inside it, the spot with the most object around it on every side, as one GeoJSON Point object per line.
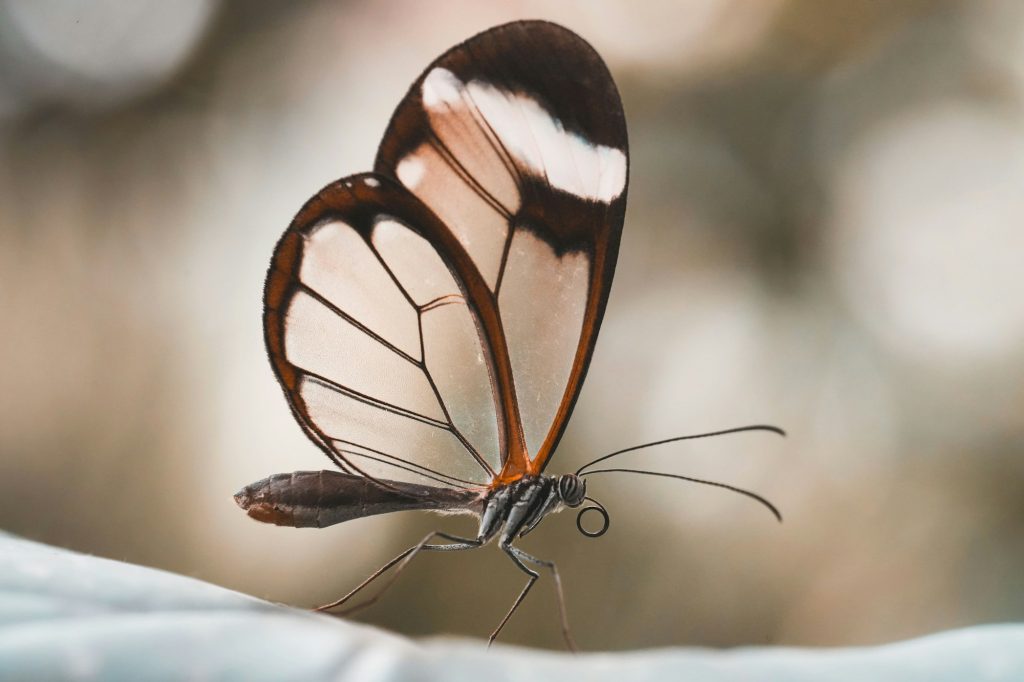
{"type": "Point", "coordinates": [492, 137]}
{"type": "Point", "coordinates": [352, 453]}
{"type": "Point", "coordinates": [444, 408]}
{"type": "Point", "coordinates": [466, 176]}
{"type": "Point", "coordinates": [357, 324]}
{"type": "Point", "coordinates": [373, 402]}
{"type": "Point", "coordinates": [447, 299]}
{"type": "Point", "coordinates": [391, 274]}
{"type": "Point", "coordinates": [504, 262]}
{"type": "Point", "coordinates": [453, 480]}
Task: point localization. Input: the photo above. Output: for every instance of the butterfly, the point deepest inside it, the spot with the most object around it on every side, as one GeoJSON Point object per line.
{"type": "Point", "coordinates": [431, 322]}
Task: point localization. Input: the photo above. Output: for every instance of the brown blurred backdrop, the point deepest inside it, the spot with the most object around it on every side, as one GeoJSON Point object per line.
{"type": "Point", "coordinates": [825, 231]}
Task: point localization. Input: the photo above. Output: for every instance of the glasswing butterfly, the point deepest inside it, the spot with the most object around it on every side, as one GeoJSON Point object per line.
{"type": "Point", "coordinates": [431, 322]}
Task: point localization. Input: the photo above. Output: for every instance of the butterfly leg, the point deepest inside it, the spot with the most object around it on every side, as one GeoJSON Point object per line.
{"type": "Point", "coordinates": [519, 557]}
{"type": "Point", "coordinates": [455, 544]}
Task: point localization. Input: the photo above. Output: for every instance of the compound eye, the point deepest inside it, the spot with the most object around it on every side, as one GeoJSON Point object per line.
{"type": "Point", "coordinates": [572, 490]}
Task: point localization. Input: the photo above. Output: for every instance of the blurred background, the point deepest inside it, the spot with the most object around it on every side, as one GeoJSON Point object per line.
{"type": "Point", "coordinates": [825, 232]}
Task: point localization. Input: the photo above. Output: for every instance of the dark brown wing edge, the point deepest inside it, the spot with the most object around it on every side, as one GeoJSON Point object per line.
{"type": "Point", "coordinates": [315, 499]}
{"type": "Point", "coordinates": [571, 80]}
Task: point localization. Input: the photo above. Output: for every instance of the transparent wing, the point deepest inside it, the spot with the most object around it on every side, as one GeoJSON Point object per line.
{"type": "Point", "coordinates": [373, 342]}
{"type": "Point", "coordinates": [516, 140]}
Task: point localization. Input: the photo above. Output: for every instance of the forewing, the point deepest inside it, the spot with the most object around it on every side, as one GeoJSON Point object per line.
{"type": "Point", "coordinates": [371, 338]}
{"type": "Point", "coordinates": [516, 140]}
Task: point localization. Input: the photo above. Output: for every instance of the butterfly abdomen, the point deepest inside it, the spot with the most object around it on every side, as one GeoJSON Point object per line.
{"type": "Point", "coordinates": [315, 499]}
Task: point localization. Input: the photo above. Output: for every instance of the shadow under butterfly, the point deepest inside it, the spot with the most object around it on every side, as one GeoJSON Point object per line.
{"type": "Point", "coordinates": [431, 322]}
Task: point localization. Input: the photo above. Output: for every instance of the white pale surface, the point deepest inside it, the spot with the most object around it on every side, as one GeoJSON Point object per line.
{"type": "Point", "coordinates": [67, 616]}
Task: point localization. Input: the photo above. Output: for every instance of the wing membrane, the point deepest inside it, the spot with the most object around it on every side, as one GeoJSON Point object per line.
{"type": "Point", "coordinates": [373, 342]}
{"type": "Point", "coordinates": [516, 140]}
{"type": "Point", "coordinates": [434, 321]}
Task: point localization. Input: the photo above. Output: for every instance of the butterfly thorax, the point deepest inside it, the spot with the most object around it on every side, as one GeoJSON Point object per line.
{"type": "Point", "coordinates": [516, 509]}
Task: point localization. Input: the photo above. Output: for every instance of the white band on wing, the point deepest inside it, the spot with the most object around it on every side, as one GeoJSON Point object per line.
{"type": "Point", "coordinates": [533, 136]}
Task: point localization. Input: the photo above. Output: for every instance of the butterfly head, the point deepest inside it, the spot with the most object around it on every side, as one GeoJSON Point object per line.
{"type": "Point", "coordinates": [571, 490]}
